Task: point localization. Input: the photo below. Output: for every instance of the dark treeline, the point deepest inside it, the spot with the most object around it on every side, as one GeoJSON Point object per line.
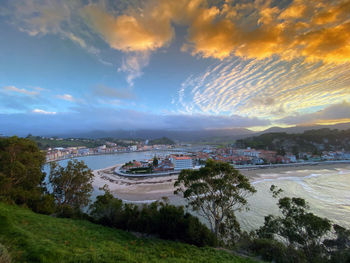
{"type": "Point", "coordinates": [163, 140]}
{"type": "Point", "coordinates": [217, 191]}
{"type": "Point", "coordinates": [159, 218]}
{"type": "Point", "coordinates": [313, 141]}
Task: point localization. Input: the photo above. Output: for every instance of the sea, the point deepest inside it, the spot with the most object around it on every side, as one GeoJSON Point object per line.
{"type": "Point", "coordinates": [327, 190]}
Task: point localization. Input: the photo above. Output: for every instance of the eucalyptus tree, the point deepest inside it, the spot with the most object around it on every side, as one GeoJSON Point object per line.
{"type": "Point", "coordinates": [216, 192]}
{"type": "Point", "coordinates": [71, 185]}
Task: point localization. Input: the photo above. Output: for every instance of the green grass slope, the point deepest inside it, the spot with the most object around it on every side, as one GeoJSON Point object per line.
{"type": "Point", "coordinates": [32, 237]}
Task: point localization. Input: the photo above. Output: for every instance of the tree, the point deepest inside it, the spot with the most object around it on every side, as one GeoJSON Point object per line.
{"type": "Point", "coordinates": [339, 247]}
{"type": "Point", "coordinates": [298, 227]}
{"type": "Point", "coordinates": [71, 185]}
{"type": "Point", "coordinates": [21, 176]}
{"type": "Point", "coordinates": [281, 151]}
{"type": "Point", "coordinates": [106, 209]}
{"type": "Point", "coordinates": [155, 161]}
{"type": "Point", "coordinates": [216, 191]}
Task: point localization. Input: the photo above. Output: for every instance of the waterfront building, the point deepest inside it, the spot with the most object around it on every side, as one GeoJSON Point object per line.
{"type": "Point", "coordinates": [182, 162]}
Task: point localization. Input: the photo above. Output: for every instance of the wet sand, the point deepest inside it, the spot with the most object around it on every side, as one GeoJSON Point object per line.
{"type": "Point", "coordinates": [154, 188]}
{"type": "Point", "coordinates": [135, 189]}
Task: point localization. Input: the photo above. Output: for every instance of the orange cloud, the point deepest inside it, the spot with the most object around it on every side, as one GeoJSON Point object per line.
{"type": "Point", "coordinates": [134, 32]}
{"type": "Point", "coordinates": [328, 44]}
{"type": "Point", "coordinates": [297, 9]}
{"type": "Point", "coordinates": [317, 30]}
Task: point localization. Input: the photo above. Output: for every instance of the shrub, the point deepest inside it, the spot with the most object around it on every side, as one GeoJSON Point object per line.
{"type": "Point", "coordinates": [44, 205]}
{"type": "Point", "coordinates": [158, 218]}
{"type": "Point", "coordinates": [4, 255]}
{"type": "Point", "coordinates": [272, 250]}
{"type": "Point", "coordinates": [197, 233]}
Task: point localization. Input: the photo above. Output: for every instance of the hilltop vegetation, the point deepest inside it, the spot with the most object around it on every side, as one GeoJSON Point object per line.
{"type": "Point", "coordinates": [44, 142]}
{"type": "Point", "coordinates": [217, 190]}
{"type": "Point", "coordinates": [313, 141]}
{"type": "Point", "coordinates": [31, 237]}
{"type": "Point", "coordinates": [163, 140]}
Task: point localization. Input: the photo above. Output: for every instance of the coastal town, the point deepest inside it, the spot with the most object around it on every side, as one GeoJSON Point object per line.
{"type": "Point", "coordinates": [191, 157]}
{"type": "Point", "coordinates": [60, 153]}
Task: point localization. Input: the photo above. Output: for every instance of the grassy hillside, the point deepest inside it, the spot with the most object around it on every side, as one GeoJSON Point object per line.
{"type": "Point", "coordinates": [32, 237]}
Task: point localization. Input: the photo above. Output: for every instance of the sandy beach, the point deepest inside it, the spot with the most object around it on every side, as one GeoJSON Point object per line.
{"type": "Point", "coordinates": [135, 189]}
{"type": "Point", "coordinates": [154, 188]}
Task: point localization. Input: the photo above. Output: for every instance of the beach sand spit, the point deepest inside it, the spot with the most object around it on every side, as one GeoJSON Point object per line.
{"type": "Point", "coordinates": [154, 188]}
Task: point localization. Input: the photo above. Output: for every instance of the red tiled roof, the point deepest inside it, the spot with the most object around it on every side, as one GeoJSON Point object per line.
{"type": "Point", "coordinates": [182, 158]}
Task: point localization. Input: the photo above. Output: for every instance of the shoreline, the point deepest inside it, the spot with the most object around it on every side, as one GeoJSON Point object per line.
{"type": "Point", "coordinates": [147, 189]}
{"type": "Point", "coordinates": [283, 166]}
{"type": "Point", "coordinates": [112, 153]}
{"type": "Point", "coordinates": [87, 155]}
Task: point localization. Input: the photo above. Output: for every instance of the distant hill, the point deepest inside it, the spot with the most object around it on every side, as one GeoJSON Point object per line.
{"type": "Point", "coordinates": [176, 135]}
{"type": "Point", "coordinates": [215, 136]}
{"type": "Point", "coordinates": [163, 140]}
{"type": "Point", "coordinates": [32, 237]}
{"type": "Point", "coordinates": [313, 141]}
{"type": "Point", "coordinates": [301, 129]}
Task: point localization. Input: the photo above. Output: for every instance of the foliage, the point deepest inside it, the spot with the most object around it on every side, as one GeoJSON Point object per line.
{"type": "Point", "coordinates": [107, 209]}
{"type": "Point", "coordinates": [45, 143]}
{"type": "Point", "coordinates": [32, 237]}
{"type": "Point", "coordinates": [155, 161]}
{"type": "Point", "coordinates": [4, 255]}
{"type": "Point", "coordinates": [298, 227]}
{"type": "Point", "coordinates": [272, 250]}
{"type": "Point", "coordinates": [21, 176]}
{"type": "Point", "coordinates": [216, 191]}
{"type": "Point", "coordinates": [312, 141]}
{"type": "Point", "coordinates": [71, 185]}
{"type": "Point", "coordinates": [140, 170]}
{"type": "Point", "coordinates": [163, 140]}
{"type": "Point", "coordinates": [339, 247]}
{"type": "Point", "coordinates": [158, 218]}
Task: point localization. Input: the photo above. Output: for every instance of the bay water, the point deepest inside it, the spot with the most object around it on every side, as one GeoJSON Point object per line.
{"type": "Point", "coordinates": [326, 190]}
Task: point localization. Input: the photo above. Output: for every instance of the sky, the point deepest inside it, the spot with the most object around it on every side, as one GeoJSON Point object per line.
{"type": "Point", "coordinates": [83, 65]}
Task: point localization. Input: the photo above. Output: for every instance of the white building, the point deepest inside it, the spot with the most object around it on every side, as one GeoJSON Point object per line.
{"type": "Point", "coordinates": [182, 162]}
{"type": "Point", "coordinates": [133, 148]}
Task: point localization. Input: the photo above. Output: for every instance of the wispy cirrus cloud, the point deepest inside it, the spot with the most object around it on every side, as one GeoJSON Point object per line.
{"type": "Point", "coordinates": [270, 88]}
{"type": "Point", "coordinates": [133, 64]}
{"type": "Point", "coordinates": [275, 59]}
{"type": "Point", "coordinates": [66, 97]}
{"type": "Point", "coordinates": [336, 113]}
{"type": "Point", "coordinates": [28, 92]}
{"type": "Point", "coordinates": [39, 111]}
{"type": "Point", "coordinates": [115, 93]}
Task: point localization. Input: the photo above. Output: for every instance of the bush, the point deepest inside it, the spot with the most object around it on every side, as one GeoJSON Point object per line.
{"type": "Point", "coordinates": [4, 255]}
{"type": "Point", "coordinates": [44, 205]}
{"type": "Point", "coordinates": [159, 218]}
{"type": "Point", "coordinates": [197, 233]}
{"type": "Point", "coordinates": [272, 250]}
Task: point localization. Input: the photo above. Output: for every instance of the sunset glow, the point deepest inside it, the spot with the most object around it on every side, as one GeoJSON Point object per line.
{"type": "Point", "coordinates": [163, 64]}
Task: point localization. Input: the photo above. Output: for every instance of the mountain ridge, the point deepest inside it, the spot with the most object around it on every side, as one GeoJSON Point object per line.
{"type": "Point", "coordinates": [195, 135]}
